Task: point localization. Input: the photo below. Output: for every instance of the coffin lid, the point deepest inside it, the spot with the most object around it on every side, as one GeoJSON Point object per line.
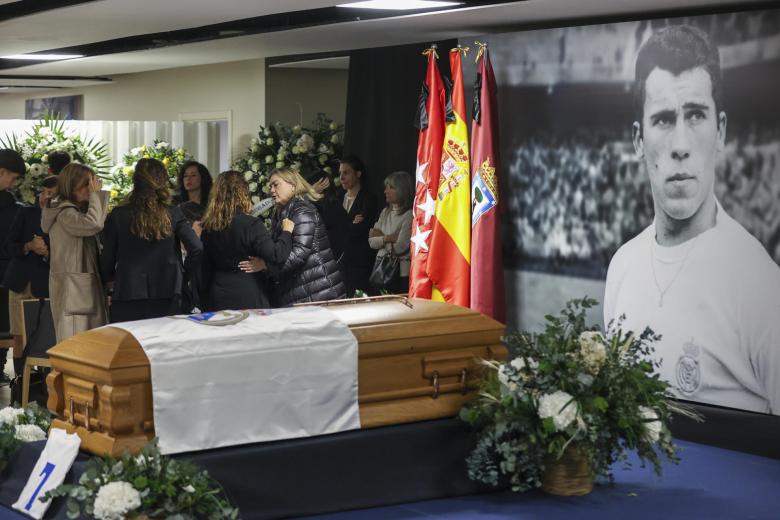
{"type": "Point", "coordinates": [111, 348]}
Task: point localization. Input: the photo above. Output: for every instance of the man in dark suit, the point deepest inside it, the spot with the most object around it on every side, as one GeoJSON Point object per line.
{"type": "Point", "coordinates": [11, 168]}
{"type": "Point", "coordinates": [27, 275]}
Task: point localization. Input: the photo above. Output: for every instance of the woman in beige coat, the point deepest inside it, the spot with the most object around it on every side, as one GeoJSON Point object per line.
{"type": "Point", "coordinates": [73, 220]}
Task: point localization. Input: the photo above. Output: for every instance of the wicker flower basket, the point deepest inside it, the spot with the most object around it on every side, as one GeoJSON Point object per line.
{"type": "Point", "coordinates": [568, 476]}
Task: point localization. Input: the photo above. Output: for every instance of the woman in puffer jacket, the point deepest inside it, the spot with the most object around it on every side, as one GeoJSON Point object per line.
{"type": "Point", "coordinates": [310, 273]}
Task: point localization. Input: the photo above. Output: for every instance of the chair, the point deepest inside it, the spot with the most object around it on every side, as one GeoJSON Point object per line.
{"type": "Point", "coordinates": [39, 336]}
{"type": "Point", "coordinates": [6, 340]}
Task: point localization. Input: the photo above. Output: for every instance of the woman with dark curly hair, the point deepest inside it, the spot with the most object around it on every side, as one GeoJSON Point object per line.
{"type": "Point", "coordinates": [194, 186]}
{"type": "Point", "coordinates": [141, 251]}
{"type": "Point", "coordinates": [231, 236]}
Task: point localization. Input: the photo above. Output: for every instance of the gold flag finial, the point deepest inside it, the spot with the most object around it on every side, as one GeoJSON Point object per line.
{"type": "Point", "coordinates": [482, 47]}
{"type": "Point", "coordinates": [460, 49]}
{"type": "Point", "coordinates": [432, 49]}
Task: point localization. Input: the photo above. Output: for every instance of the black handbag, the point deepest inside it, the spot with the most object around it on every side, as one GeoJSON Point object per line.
{"type": "Point", "coordinates": [384, 270]}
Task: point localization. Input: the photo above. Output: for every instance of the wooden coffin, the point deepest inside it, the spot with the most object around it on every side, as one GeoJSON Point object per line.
{"type": "Point", "coordinates": [417, 360]}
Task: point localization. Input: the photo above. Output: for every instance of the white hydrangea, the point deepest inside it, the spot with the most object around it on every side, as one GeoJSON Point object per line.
{"type": "Point", "coordinates": [29, 433]}
{"type": "Point", "coordinates": [653, 426]}
{"type": "Point", "coordinates": [552, 405]}
{"type": "Point", "coordinates": [592, 350]}
{"type": "Point", "coordinates": [9, 414]}
{"type": "Point", "coordinates": [115, 499]}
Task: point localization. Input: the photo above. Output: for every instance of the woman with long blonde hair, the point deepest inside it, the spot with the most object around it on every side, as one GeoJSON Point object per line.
{"type": "Point", "coordinates": [141, 251]}
{"type": "Point", "coordinates": [73, 219]}
{"type": "Point", "coordinates": [310, 272]}
{"type": "Point", "coordinates": [231, 236]}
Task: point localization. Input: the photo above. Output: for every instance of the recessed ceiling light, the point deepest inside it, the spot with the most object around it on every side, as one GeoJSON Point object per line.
{"type": "Point", "coordinates": [42, 57]}
{"type": "Point", "coordinates": [398, 5]}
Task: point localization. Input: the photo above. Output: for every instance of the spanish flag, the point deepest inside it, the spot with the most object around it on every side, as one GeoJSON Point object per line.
{"type": "Point", "coordinates": [449, 258]}
{"type": "Point", "coordinates": [430, 121]}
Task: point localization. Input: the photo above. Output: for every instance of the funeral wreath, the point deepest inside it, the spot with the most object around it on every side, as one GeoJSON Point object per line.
{"type": "Point", "coordinates": [570, 389]}
{"type": "Point", "coordinates": [149, 485]}
{"type": "Point", "coordinates": [120, 180]}
{"type": "Point", "coordinates": [312, 151]}
{"type": "Point", "coordinates": [50, 135]}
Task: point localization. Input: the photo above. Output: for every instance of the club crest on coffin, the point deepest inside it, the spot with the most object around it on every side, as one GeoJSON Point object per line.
{"type": "Point", "coordinates": [485, 194]}
{"type": "Point", "coordinates": [218, 318]}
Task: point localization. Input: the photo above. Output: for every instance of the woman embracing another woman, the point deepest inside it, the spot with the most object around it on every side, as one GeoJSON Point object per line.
{"type": "Point", "coordinates": [310, 272]}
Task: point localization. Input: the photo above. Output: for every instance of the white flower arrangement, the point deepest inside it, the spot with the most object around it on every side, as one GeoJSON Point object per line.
{"type": "Point", "coordinates": [313, 152]}
{"type": "Point", "coordinates": [132, 486]}
{"type": "Point", "coordinates": [20, 425]}
{"type": "Point", "coordinates": [570, 386]}
{"type": "Point", "coordinates": [49, 135]}
{"type": "Point", "coordinates": [120, 180]}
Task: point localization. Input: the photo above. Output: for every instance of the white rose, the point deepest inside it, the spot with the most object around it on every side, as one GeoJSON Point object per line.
{"type": "Point", "coordinates": [189, 489]}
{"type": "Point", "coordinates": [252, 186]}
{"type": "Point", "coordinates": [9, 414]}
{"type": "Point", "coordinates": [266, 132]}
{"type": "Point", "coordinates": [653, 426]}
{"type": "Point", "coordinates": [255, 166]}
{"type": "Point", "coordinates": [255, 199]}
{"type": "Point", "coordinates": [279, 164]}
{"type": "Point", "coordinates": [29, 433]}
{"type": "Point", "coordinates": [115, 499]}
{"type": "Point", "coordinates": [269, 159]}
{"type": "Point", "coordinates": [254, 141]}
{"type": "Point", "coordinates": [162, 144]}
{"type": "Point", "coordinates": [269, 141]}
{"type": "Point", "coordinates": [335, 139]}
{"type": "Point", "coordinates": [592, 350]}
{"type": "Point", "coordinates": [255, 147]}
{"type": "Point", "coordinates": [327, 170]}
{"type": "Point", "coordinates": [552, 405]}
{"type": "Point", "coordinates": [248, 175]}
{"type": "Point", "coordinates": [323, 159]}
{"type": "Point", "coordinates": [322, 148]}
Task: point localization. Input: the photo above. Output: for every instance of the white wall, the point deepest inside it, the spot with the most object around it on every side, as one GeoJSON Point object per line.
{"type": "Point", "coordinates": [237, 87]}
{"type": "Point", "coordinates": [295, 96]}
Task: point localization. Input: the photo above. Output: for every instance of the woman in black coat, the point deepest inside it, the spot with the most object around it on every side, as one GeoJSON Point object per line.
{"type": "Point", "coordinates": [349, 212]}
{"type": "Point", "coordinates": [230, 237]}
{"type": "Point", "coordinates": [309, 273]}
{"type": "Point", "coordinates": [141, 249]}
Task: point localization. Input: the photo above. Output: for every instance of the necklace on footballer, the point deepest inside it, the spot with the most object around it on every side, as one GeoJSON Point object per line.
{"type": "Point", "coordinates": [662, 291]}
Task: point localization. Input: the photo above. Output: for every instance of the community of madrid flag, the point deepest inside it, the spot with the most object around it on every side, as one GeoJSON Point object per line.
{"type": "Point", "coordinates": [450, 251]}
{"type": "Point", "coordinates": [487, 274]}
{"type": "Point", "coordinates": [430, 121]}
